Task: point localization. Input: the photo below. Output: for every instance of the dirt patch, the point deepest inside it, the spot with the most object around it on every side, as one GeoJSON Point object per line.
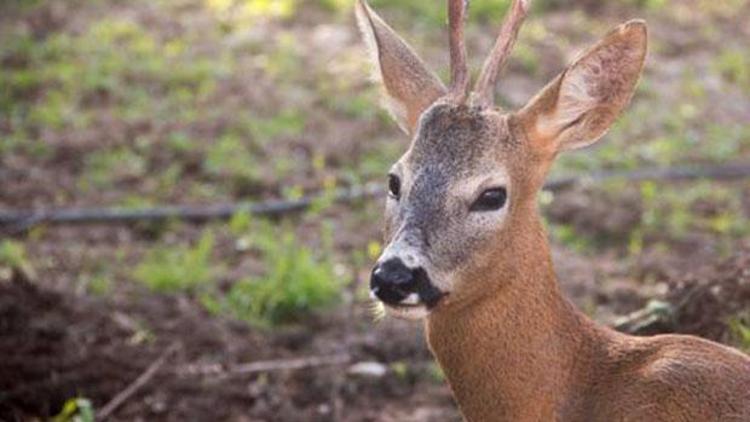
{"type": "Point", "coordinates": [56, 347]}
{"type": "Point", "coordinates": [707, 302]}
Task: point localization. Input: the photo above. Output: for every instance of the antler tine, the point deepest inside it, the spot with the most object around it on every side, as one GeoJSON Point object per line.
{"type": "Point", "coordinates": [459, 70]}
{"type": "Point", "coordinates": [485, 87]}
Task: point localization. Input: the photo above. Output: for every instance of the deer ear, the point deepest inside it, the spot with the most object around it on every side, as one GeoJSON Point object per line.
{"type": "Point", "coordinates": [409, 88]}
{"type": "Point", "coordinates": [580, 105]}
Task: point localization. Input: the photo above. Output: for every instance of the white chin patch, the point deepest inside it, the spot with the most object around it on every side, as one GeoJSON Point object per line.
{"type": "Point", "coordinates": [409, 312]}
{"type": "Point", "coordinates": [412, 299]}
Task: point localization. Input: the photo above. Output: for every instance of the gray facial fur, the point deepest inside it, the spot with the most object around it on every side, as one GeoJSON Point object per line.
{"type": "Point", "coordinates": [455, 151]}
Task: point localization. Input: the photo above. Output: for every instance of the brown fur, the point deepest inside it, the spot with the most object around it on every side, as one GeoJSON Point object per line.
{"type": "Point", "coordinates": [512, 347]}
{"type": "Point", "coordinates": [521, 352]}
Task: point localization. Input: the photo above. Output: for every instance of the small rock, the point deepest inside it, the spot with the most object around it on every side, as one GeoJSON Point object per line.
{"type": "Point", "coordinates": [368, 369]}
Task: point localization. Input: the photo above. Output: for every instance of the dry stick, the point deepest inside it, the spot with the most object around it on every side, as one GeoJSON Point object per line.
{"type": "Point", "coordinates": [658, 313]}
{"type": "Point", "coordinates": [270, 365]}
{"type": "Point", "coordinates": [12, 222]}
{"type": "Point", "coordinates": [136, 385]}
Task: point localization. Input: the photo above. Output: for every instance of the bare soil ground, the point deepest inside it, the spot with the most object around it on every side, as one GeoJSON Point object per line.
{"type": "Point", "coordinates": [58, 346]}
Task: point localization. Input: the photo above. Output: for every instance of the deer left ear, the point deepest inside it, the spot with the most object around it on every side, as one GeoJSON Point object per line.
{"type": "Point", "coordinates": [408, 86]}
{"type": "Point", "coordinates": [579, 106]}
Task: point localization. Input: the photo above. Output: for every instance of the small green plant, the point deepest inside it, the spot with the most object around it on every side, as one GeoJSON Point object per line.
{"type": "Point", "coordinates": [170, 270]}
{"type": "Point", "coordinates": [741, 332]}
{"type": "Point", "coordinates": [232, 157]}
{"type": "Point", "coordinates": [99, 284]}
{"type": "Point", "coordinates": [734, 66]}
{"type": "Point", "coordinates": [77, 409]}
{"type": "Point", "coordinates": [568, 236]}
{"type": "Point", "coordinates": [436, 373]}
{"type": "Point", "coordinates": [13, 256]}
{"type": "Point", "coordinates": [106, 167]}
{"type": "Point", "coordinates": [287, 123]}
{"type": "Point", "coordinates": [297, 280]}
{"type": "Point", "coordinates": [648, 4]}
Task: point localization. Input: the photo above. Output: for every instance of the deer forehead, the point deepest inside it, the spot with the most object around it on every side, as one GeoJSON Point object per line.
{"type": "Point", "coordinates": [461, 146]}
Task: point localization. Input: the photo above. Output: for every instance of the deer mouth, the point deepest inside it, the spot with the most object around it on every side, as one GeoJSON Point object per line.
{"type": "Point", "coordinates": [414, 307]}
{"type": "Point", "coordinates": [408, 312]}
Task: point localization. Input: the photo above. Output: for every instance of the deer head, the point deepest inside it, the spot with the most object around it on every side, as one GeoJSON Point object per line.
{"type": "Point", "coordinates": [462, 199]}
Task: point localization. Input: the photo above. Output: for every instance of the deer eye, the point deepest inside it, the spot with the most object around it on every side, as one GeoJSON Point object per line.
{"type": "Point", "coordinates": [490, 200]}
{"type": "Point", "coordinates": [394, 186]}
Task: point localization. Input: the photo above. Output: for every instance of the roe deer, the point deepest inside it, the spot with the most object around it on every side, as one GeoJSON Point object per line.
{"type": "Point", "coordinates": [467, 253]}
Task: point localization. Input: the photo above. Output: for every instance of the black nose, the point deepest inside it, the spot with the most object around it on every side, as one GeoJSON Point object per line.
{"type": "Point", "coordinates": [392, 281]}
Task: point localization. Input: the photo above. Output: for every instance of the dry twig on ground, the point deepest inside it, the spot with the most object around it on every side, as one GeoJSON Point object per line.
{"type": "Point", "coordinates": [136, 385]}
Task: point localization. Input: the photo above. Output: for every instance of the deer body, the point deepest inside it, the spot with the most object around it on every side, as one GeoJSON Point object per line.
{"type": "Point", "coordinates": [467, 253]}
{"type": "Point", "coordinates": [522, 354]}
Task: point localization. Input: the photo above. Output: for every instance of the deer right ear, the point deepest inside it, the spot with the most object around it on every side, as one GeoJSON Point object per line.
{"type": "Point", "coordinates": [409, 87]}
{"type": "Point", "coordinates": [580, 105]}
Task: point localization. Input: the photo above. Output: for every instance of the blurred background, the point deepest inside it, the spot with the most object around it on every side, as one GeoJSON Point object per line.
{"type": "Point", "coordinates": [199, 102]}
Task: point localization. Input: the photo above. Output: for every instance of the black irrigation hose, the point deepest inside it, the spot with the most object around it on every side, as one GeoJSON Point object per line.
{"type": "Point", "coordinates": [12, 222]}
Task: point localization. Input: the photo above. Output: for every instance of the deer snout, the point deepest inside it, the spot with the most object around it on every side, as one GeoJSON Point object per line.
{"type": "Point", "coordinates": [393, 283]}
{"type": "Point", "coordinates": [396, 284]}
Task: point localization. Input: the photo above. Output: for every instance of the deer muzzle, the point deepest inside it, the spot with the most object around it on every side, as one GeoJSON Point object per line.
{"type": "Point", "coordinates": [397, 285]}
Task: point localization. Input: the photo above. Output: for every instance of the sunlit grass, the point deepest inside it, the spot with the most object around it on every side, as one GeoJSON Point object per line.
{"type": "Point", "coordinates": [13, 255]}
{"type": "Point", "coordinates": [734, 66]}
{"type": "Point", "coordinates": [297, 280]}
{"type": "Point", "coordinates": [178, 268]}
{"type": "Point", "coordinates": [249, 10]}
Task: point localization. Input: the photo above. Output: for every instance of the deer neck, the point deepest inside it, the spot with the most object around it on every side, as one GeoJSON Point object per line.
{"type": "Point", "coordinates": [516, 352]}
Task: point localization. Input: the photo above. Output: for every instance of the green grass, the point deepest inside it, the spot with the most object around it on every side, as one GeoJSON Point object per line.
{"type": "Point", "coordinates": [435, 13]}
{"type": "Point", "coordinates": [734, 67]}
{"type": "Point", "coordinates": [669, 214]}
{"type": "Point", "coordinates": [13, 254]}
{"type": "Point", "coordinates": [178, 268]}
{"type": "Point", "coordinates": [233, 159]}
{"type": "Point", "coordinates": [77, 409]}
{"type": "Point", "coordinates": [568, 236]}
{"type": "Point", "coordinates": [740, 331]}
{"type": "Point", "coordinates": [64, 82]}
{"type": "Point", "coordinates": [103, 169]}
{"type": "Point", "coordinates": [298, 279]}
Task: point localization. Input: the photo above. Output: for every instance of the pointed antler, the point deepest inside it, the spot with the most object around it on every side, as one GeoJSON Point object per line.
{"type": "Point", "coordinates": [485, 88]}
{"type": "Point", "coordinates": [459, 70]}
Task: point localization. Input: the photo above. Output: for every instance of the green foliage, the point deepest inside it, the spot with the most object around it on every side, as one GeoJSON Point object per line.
{"type": "Point", "coordinates": [401, 370]}
{"type": "Point", "coordinates": [436, 373]}
{"type": "Point", "coordinates": [284, 62]}
{"type": "Point", "coordinates": [704, 206]}
{"type": "Point", "coordinates": [568, 236]}
{"type": "Point", "coordinates": [647, 4]}
{"type": "Point", "coordinates": [297, 279]}
{"type": "Point", "coordinates": [176, 269]}
{"type": "Point", "coordinates": [337, 5]}
{"type": "Point", "coordinates": [99, 284]}
{"type": "Point", "coordinates": [435, 13]}
{"type": "Point", "coordinates": [287, 123]}
{"type": "Point", "coordinates": [13, 254]}
{"type": "Point", "coordinates": [62, 82]}
{"type": "Point", "coordinates": [106, 167]}
{"type": "Point", "coordinates": [734, 66]}
{"type": "Point", "coordinates": [77, 409]}
{"type": "Point", "coordinates": [231, 157]}
{"type": "Point", "coordinates": [740, 330]}
{"type": "Point", "coordinates": [242, 11]}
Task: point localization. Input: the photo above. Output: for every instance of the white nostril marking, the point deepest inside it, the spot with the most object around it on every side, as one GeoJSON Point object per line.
{"type": "Point", "coordinates": [412, 299]}
{"type": "Point", "coordinates": [373, 293]}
